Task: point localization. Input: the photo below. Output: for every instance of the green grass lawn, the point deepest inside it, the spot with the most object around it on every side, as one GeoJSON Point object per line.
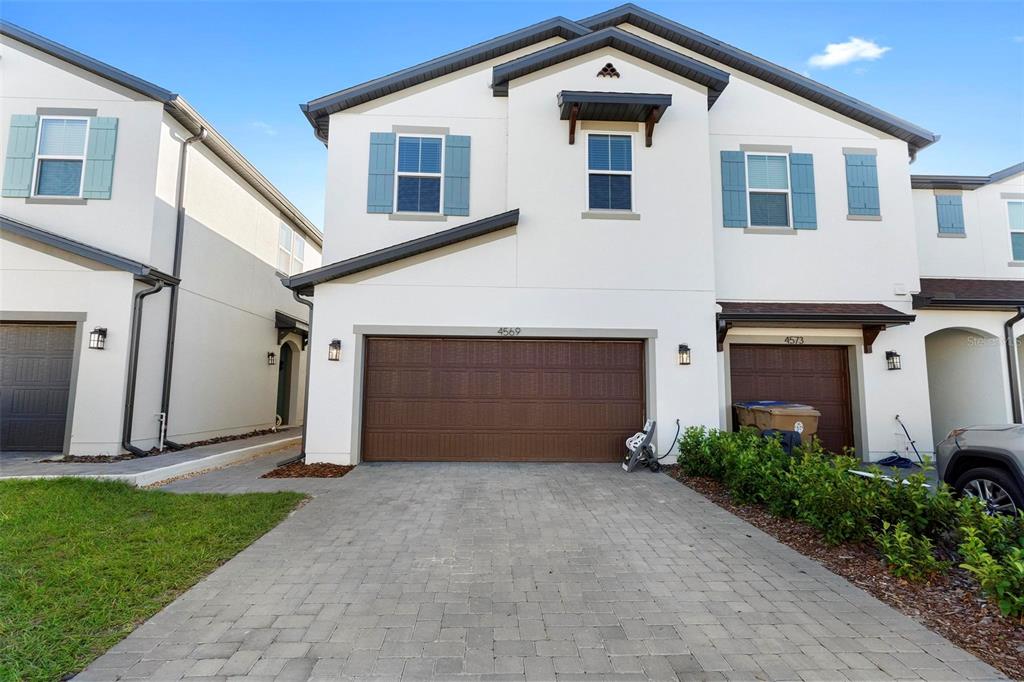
{"type": "Point", "coordinates": [82, 562]}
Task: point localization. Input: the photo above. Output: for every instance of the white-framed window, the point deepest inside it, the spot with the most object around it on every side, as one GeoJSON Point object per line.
{"type": "Point", "coordinates": [419, 179]}
{"type": "Point", "coordinates": [768, 190]}
{"type": "Point", "coordinates": [609, 172]}
{"type": "Point", "coordinates": [291, 250]}
{"type": "Point", "coordinates": [60, 156]}
{"type": "Point", "coordinates": [1015, 217]}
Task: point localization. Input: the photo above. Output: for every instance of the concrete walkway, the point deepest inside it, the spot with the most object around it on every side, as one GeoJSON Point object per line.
{"type": "Point", "coordinates": [145, 471]}
{"type": "Point", "coordinates": [521, 571]}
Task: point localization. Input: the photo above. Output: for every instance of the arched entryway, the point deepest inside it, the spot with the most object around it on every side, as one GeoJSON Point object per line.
{"type": "Point", "coordinates": [284, 383]}
{"type": "Point", "coordinates": [965, 379]}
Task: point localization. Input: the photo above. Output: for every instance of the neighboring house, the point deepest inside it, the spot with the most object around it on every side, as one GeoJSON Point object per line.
{"type": "Point", "coordinates": [970, 232]}
{"type": "Point", "coordinates": [119, 198]}
{"type": "Point", "coordinates": [551, 235]}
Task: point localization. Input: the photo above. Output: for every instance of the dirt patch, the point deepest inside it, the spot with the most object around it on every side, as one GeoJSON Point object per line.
{"type": "Point", "coordinates": [301, 470]}
{"type": "Point", "coordinates": [950, 604]}
{"type": "Point", "coordinates": [87, 459]}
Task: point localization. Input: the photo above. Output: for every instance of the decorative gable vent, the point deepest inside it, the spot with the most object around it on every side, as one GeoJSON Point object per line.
{"type": "Point", "coordinates": [608, 71]}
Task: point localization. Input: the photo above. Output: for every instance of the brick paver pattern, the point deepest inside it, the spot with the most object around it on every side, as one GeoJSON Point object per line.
{"type": "Point", "coordinates": [521, 572]}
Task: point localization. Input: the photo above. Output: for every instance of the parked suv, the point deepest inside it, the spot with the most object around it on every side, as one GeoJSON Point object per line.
{"type": "Point", "coordinates": [986, 462]}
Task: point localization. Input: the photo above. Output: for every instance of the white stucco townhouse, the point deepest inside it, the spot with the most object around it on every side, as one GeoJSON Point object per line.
{"type": "Point", "coordinates": [537, 241]}
{"type": "Point", "coordinates": [140, 266]}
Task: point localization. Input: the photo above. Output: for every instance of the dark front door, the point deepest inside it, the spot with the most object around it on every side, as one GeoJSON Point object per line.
{"type": "Point", "coordinates": [284, 383]}
{"type": "Point", "coordinates": [35, 383]}
{"type": "Point", "coordinates": [501, 399]}
{"type": "Point", "coordinates": [818, 376]}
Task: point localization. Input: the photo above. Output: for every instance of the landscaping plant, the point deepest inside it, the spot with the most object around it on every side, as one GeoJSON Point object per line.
{"type": "Point", "coordinates": [907, 520]}
{"type": "Point", "coordinates": [907, 555]}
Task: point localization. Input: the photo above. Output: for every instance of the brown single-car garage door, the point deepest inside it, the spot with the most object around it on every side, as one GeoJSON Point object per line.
{"type": "Point", "coordinates": [501, 399]}
{"type": "Point", "coordinates": [814, 375]}
{"type": "Point", "coordinates": [35, 379]}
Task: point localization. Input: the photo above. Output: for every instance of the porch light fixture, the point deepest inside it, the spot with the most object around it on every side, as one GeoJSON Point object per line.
{"type": "Point", "coordinates": [334, 350]}
{"type": "Point", "coordinates": [892, 359]}
{"type": "Point", "coordinates": [271, 358]}
{"type": "Point", "coordinates": [684, 354]}
{"type": "Point", "coordinates": [98, 338]}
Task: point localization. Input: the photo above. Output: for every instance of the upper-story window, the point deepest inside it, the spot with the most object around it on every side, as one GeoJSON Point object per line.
{"type": "Point", "coordinates": [60, 158]}
{"type": "Point", "coordinates": [1015, 211]}
{"type": "Point", "coordinates": [768, 190]}
{"type": "Point", "coordinates": [610, 172]}
{"type": "Point", "coordinates": [418, 189]}
{"type": "Point", "coordinates": [291, 250]}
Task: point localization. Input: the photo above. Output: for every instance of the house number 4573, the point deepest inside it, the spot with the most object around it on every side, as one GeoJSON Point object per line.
{"type": "Point", "coordinates": [795, 340]}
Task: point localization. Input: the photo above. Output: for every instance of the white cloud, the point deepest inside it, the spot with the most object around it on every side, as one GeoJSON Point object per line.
{"type": "Point", "coordinates": [853, 50]}
{"type": "Point", "coordinates": [263, 127]}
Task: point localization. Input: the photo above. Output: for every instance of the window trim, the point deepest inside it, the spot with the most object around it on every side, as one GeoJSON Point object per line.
{"type": "Point", "coordinates": [788, 191]}
{"type": "Point", "coordinates": [61, 157]}
{"type": "Point", "coordinates": [400, 174]}
{"type": "Point", "coordinates": [631, 173]}
{"type": "Point", "coordinates": [1011, 230]}
{"type": "Point", "coordinates": [290, 251]}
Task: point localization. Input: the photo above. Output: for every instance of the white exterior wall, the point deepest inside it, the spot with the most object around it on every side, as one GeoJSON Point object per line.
{"type": "Point", "coordinates": [230, 289]}
{"type": "Point", "coordinates": [984, 249]}
{"type": "Point", "coordinates": [36, 281]}
{"type": "Point", "coordinates": [556, 274]}
{"type": "Point", "coordinates": [33, 80]}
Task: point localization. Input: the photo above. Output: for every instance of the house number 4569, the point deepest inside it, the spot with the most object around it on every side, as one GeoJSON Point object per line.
{"type": "Point", "coordinates": [509, 331]}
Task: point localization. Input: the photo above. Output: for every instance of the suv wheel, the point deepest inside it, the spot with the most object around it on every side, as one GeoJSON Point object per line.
{"type": "Point", "coordinates": [996, 489]}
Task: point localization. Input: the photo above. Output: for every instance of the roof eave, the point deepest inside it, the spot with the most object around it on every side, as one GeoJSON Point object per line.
{"type": "Point", "coordinates": [921, 302]}
{"type": "Point", "coordinates": [916, 137]}
{"type": "Point", "coordinates": [305, 282]}
{"type": "Point", "coordinates": [819, 318]}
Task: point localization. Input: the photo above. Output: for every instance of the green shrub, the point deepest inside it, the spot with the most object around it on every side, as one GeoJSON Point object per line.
{"type": "Point", "coordinates": [998, 534]}
{"type": "Point", "coordinates": [1002, 579]}
{"type": "Point", "coordinates": [695, 453]}
{"type": "Point", "coordinates": [907, 555]}
{"type": "Point", "coordinates": [829, 498]}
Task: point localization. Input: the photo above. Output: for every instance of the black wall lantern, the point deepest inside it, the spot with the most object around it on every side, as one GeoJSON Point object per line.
{"type": "Point", "coordinates": [892, 358]}
{"type": "Point", "coordinates": [684, 354]}
{"type": "Point", "coordinates": [334, 350]}
{"type": "Point", "coordinates": [271, 358]}
{"type": "Point", "coordinates": [98, 338]}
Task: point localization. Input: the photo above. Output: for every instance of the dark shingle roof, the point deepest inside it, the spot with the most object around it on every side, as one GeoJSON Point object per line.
{"type": "Point", "coordinates": [937, 292]}
{"type": "Point", "coordinates": [318, 111]}
{"type": "Point", "coordinates": [714, 79]}
{"type": "Point", "coordinates": [964, 182]}
{"type": "Point", "coordinates": [306, 281]}
{"type": "Point", "coordinates": [860, 313]}
{"type": "Point", "coordinates": [41, 236]}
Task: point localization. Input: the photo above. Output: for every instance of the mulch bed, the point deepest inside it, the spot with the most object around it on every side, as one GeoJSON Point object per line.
{"type": "Point", "coordinates": [153, 452]}
{"type": "Point", "coordinates": [302, 470]}
{"type": "Point", "coordinates": [949, 604]}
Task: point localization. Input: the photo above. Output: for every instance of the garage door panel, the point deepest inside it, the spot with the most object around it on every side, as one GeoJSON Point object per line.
{"type": "Point", "coordinates": [813, 375]}
{"type": "Point", "coordinates": [35, 379]}
{"type": "Point", "coordinates": [530, 400]}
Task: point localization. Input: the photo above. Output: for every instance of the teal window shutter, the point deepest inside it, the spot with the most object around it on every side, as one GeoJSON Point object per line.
{"type": "Point", "coordinates": [862, 184]}
{"type": "Point", "coordinates": [950, 210]}
{"type": "Point", "coordinates": [734, 189]}
{"type": "Point", "coordinates": [99, 158]}
{"type": "Point", "coordinates": [801, 172]}
{"type": "Point", "coordinates": [21, 155]}
{"type": "Point", "coordinates": [380, 193]}
{"type": "Point", "coordinates": [456, 175]}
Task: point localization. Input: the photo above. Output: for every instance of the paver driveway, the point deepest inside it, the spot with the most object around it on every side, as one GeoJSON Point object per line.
{"type": "Point", "coordinates": [495, 571]}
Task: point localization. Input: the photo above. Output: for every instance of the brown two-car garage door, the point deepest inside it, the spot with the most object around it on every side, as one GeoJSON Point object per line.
{"type": "Point", "coordinates": [814, 375]}
{"type": "Point", "coordinates": [484, 399]}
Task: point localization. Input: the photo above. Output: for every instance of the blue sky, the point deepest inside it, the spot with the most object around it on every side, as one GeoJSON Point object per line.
{"type": "Point", "coordinates": [956, 68]}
